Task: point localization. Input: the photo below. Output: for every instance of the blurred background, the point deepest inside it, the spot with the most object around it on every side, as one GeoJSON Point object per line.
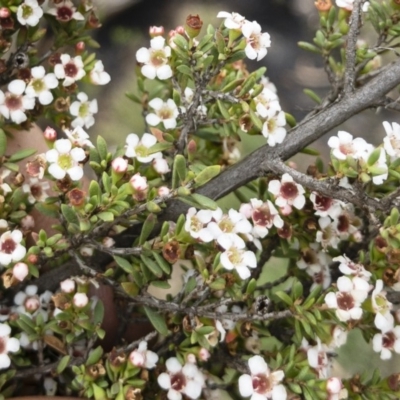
{"type": "Point", "coordinates": [125, 30]}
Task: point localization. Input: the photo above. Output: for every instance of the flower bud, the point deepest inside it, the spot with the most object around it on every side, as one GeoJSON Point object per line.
{"type": "Point", "coordinates": [79, 48]}
{"type": "Point", "coordinates": [80, 300]}
{"type": "Point", "coordinates": [119, 165]}
{"type": "Point", "coordinates": [163, 191]}
{"type": "Point", "coordinates": [323, 5]}
{"type": "Point", "coordinates": [4, 12]}
{"type": "Point", "coordinates": [193, 25]}
{"type": "Point", "coordinates": [67, 286]}
{"type": "Point", "coordinates": [20, 271]}
{"type": "Point", "coordinates": [140, 187]}
{"type": "Point", "coordinates": [156, 31]}
{"type": "Point", "coordinates": [50, 134]}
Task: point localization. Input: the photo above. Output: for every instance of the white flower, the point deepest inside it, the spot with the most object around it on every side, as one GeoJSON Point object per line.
{"type": "Point", "coordinates": [139, 182]}
{"type": "Point", "coordinates": [325, 206]}
{"type": "Point", "coordinates": [7, 345]}
{"type": "Point", "coordinates": [36, 189]}
{"type": "Point", "coordinates": [384, 319]}
{"type": "Point", "coordinates": [155, 59]}
{"type": "Point", "coordinates": [328, 236]}
{"type": "Point", "coordinates": [83, 110]}
{"type": "Point", "coordinates": [225, 226]}
{"type": "Point", "coordinates": [318, 359]}
{"type": "Point", "coordinates": [141, 357]}
{"type": "Point", "coordinates": [40, 85]}
{"type": "Point", "coordinates": [346, 4]}
{"type": "Point", "coordinates": [165, 112]}
{"type": "Point", "coordinates": [262, 383]}
{"type": "Point", "coordinates": [268, 84]}
{"type": "Point", "coordinates": [348, 267]}
{"type": "Point", "coordinates": [196, 222]}
{"type": "Point", "coordinates": [98, 76]}
{"type": "Point", "coordinates": [267, 103]}
{"type": "Point", "coordinates": [13, 104]}
{"type": "Point", "coordinates": [80, 300]}
{"type": "Point", "coordinates": [30, 304]}
{"type": "Point", "coordinates": [232, 20]}
{"type": "Point", "coordinates": [70, 69]}
{"type": "Point", "coordinates": [67, 286]}
{"type": "Point", "coordinates": [11, 249]}
{"type": "Point", "coordinates": [79, 137]}
{"type": "Point", "coordinates": [20, 271]}
{"type": "Point", "coordinates": [257, 42]}
{"type": "Point", "coordinates": [65, 160]}
{"type": "Point", "coordinates": [236, 257]}
{"type": "Point", "coordinates": [287, 192]}
{"type": "Point", "coordinates": [119, 165]}
{"type": "Point", "coordinates": [391, 142]}
{"type": "Point", "coordinates": [161, 165]}
{"type": "Point", "coordinates": [178, 380]}
{"type": "Point", "coordinates": [139, 148]}
{"type": "Point", "coordinates": [344, 145]}
{"type": "Point", "coordinates": [65, 11]}
{"type": "Point", "coordinates": [387, 342]}
{"type": "Point", "coordinates": [29, 13]}
{"type": "Point", "coordinates": [273, 129]}
{"type": "Point", "coordinates": [347, 301]}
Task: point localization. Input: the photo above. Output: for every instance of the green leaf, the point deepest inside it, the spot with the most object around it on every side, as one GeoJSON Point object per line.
{"type": "Point", "coordinates": [236, 56]}
{"type": "Point", "coordinates": [290, 120]}
{"type": "Point", "coordinates": [63, 364]}
{"type": "Point", "coordinates": [185, 70]}
{"type": "Point", "coordinates": [98, 313]}
{"type": "Point", "coordinates": [130, 288]}
{"type": "Point", "coordinates": [102, 148]}
{"type": "Point", "coordinates": [179, 171]}
{"type": "Point", "coordinates": [106, 216]}
{"type": "Point", "coordinates": [284, 297]}
{"type": "Point", "coordinates": [224, 111]}
{"type": "Point", "coordinates": [157, 321]}
{"type": "Point", "coordinates": [247, 85]}
{"type": "Point", "coordinates": [220, 40]}
{"type": "Point", "coordinates": [94, 190]}
{"type": "Point", "coordinates": [69, 214]}
{"type": "Point", "coordinates": [374, 156]}
{"type": "Point", "coordinates": [204, 201]}
{"type": "Point", "coordinates": [251, 286]}
{"type": "Point", "coordinates": [147, 228]}
{"type": "Point", "coordinates": [124, 264]}
{"type": "Point", "coordinates": [181, 42]}
{"type": "Point", "coordinates": [152, 266]}
{"type": "Point", "coordinates": [3, 142]}
{"type": "Point", "coordinates": [207, 174]}
{"type": "Point", "coordinates": [161, 284]}
{"type": "Point", "coordinates": [94, 355]}
{"type": "Point", "coordinates": [20, 155]}
{"type": "Point", "coordinates": [309, 47]}
{"type": "Point", "coordinates": [162, 262]}
{"type": "Point", "coordinates": [159, 147]}
{"type": "Point", "coordinates": [312, 95]}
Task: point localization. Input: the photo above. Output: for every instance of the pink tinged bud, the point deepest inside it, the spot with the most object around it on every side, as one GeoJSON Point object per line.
{"type": "Point", "coordinates": [50, 134]}
{"type": "Point", "coordinates": [20, 271]}
{"type": "Point", "coordinates": [156, 31]}
{"type": "Point", "coordinates": [163, 191]}
{"type": "Point", "coordinates": [192, 147]}
{"type": "Point", "coordinates": [4, 12]}
{"type": "Point", "coordinates": [204, 354]}
{"type": "Point", "coordinates": [32, 304]}
{"type": "Point", "coordinates": [180, 29]}
{"type": "Point", "coordinates": [137, 358]}
{"type": "Point", "coordinates": [119, 165]}
{"type": "Point", "coordinates": [80, 300]}
{"type": "Point", "coordinates": [334, 385]}
{"type": "Point", "coordinates": [139, 182]}
{"type": "Point", "coordinates": [191, 358]}
{"type": "Point", "coordinates": [67, 286]}
{"type": "Point", "coordinates": [79, 48]}
{"type": "Point", "coordinates": [108, 242]}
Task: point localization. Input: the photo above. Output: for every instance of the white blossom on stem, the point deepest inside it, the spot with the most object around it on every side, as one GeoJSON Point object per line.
{"type": "Point", "coordinates": [262, 383]}
{"type": "Point", "coordinates": [344, 145]}
{"type": "Point", "coordinates": [325, 206]}
{"type": "Point", "coordinates": [83, 110]}
{"type": "Point", "coordinates": [384, 319]}
{"type": "Point", "coordinates": [232, 20]}
{"type": "Point", "coordinates": [273, 128]}
{"type": "Point", "coordinates": [391, 142]}
{"type": "Point", "coordinates": [7, 345]}
{"type": "Point", "coordinates": [65, 160]}
{"type": "Point", "coordinates": [181, 380]}
{"type": "Point", "coordinates": [36, 190]}
{"type": "Point", "coordinates": [29, 13]}
{"type": "Point", "coordinates": [78, 137]}
{"type": "Point", "coordinates": [65, 11]}
{"type": "Point", "coordinates": [287, 192]}
{"type": "Point", "coordinates": [387, 342]}
{"type": "Point", "coordinates": [196, 222]}
{"type": "Point", "coordinates": [70, 69]}
{"type": "Point", "coordinates": [139, 147]}
{"type": "Point", "coordinates": [143, 358]}
{"type": "Point", "coordinates": [13, 103]}
{"type": "Point", "coordinates": [257, 42]}
{"type": "Point", "coordinates": [164, 111]}
{"type": "Point", "coordinates": [318, 359]}
{"type": "Point", "coordinates": [41, 84]}
{"type": "Point", "coordinates": [97, 75]}
{"type": "Point", "coordinates": [11, 249]}
{"type": "Point", "coordinates": [155, 59]}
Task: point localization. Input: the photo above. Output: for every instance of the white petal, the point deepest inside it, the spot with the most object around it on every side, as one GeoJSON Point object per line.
{"type": "Point", "coordinates": [258, 365]}
{"type": "Point", "coordinates": [164, 381]}
{"type": "Point", "coordinates": [56, 171]}
{"type": "Point", "coordinates": [13, 345]}
{"type": "Point", "coordinates": [245, 385]}
{"type": "Point", "coordinates": [157, 43]}
{"type": "Point", "coordinates": [5, 330]}
{"type": "Point", "coordinates": [5, 361]}
{"type": "Point", "coordinates": [243, 272]}
{"type": "Point", "coordinates": [164, 72]}
{"type": "Point", "coordinates": [152, 119]}
{"type": "Point", "coordinates": [173, 365]}
{"type": "Point", "coordinates": [17, 86]}
{"type": "Point", "coordinates": [156, 103]}
{"type": "Point", "coordinates": [75, 173]}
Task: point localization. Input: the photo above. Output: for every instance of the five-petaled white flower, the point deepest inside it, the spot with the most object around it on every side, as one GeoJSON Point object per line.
{"type": "Point", "coordinates": [287, 192]}
{"type": "Point", "coordinates": [165, 112]}
{"type": "Point", "coordinates": [155, 59]}
{"type": "Point", "coordinates": [273, 129]}
{"type": "Point", "coordinates": [325, 206]}
{"type": "Point", "coordinates": [349, 267]}
{"type": "Point", "coordinates": [196, 222]}
{"type": "Point", "coordinates": [13, 103]}
{"type": "Point", "coordinates": [36, 189]}
{"type": "Point", "coordinates": [11, 249]}
{"type": "Point", "coordinates": [257, 42]}
{"type": "Point", "coordinates": [40, 85]}
{"type": "Point", "coordinates": [318, 359]}
{"type": "Point", "coordinates": [262, 383]}
{"type": "Point", "coordinates": [344, 145]}
{"type": "Point", "coordinates": [187, 380]}
{"type": "Point", "coordinates": [236, 256]}
{"type": "Point", "coordinates": [98, 76]}
{"type": "Point", "coordinates": [7, 345]}
{"type": "Point", "coordinates": [347, 301]}
{"type": "Point", "coordinates": [384, 319]}
{"type": "Point", "coordinates": [65, 11]}
{"type": "Point", "coordinates": [29, 13]}
{"type": "Point", "coordinates": [70, 69]}
{"type": "Point", "coordinates": [139, 147]}
{"type": "Point", "coordinates": [386, 342]}
{"type": "Point", "coordinates": [232, 20]}
{"type": "Point", "coordinates": [65, 160]}
{"type": "Point", "coordinates": [141, 357]}
{"type": "Point", "coordinates": [83, 110]}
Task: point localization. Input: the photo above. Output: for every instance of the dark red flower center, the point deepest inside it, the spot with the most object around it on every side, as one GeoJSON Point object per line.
{"type": "Point", "coordinates": [178, 381]}
{"type": "Point", "coordinates": [345, 301]}
{"type": "Point", "coordinates": [64, 13]}
{"type": "Point", "coordinates": [289, 190]}
{"type": "Point", "coordinates": [70, 69]}
{"type": "Point", "coordinates": [261, 384]}
{"type": "Point", "coordinates": [8, 246]}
